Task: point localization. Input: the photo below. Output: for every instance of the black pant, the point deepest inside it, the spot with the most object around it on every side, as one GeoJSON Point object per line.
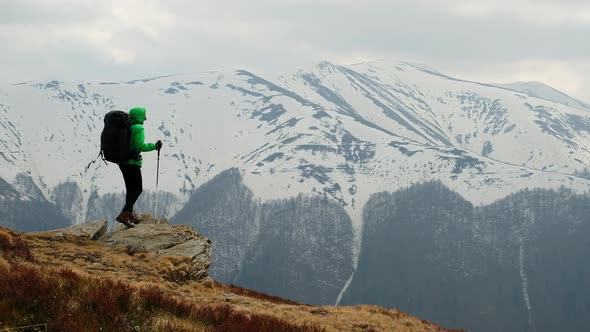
{"type": "Point", "coordinates": [133, 185]}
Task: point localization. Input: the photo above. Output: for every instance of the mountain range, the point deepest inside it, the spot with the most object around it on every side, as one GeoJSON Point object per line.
{"type": "Point", "coordinates": [304, 182]}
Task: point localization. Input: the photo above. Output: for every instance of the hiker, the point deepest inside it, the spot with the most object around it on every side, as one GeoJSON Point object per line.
{"type": "Point", "coordinates": [131, 169]}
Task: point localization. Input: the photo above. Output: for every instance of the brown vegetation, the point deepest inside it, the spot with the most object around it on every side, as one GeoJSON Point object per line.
{"type": "Point", "coordinates": [13, 247]}
{"type": "Point", "coordinates": [254, 294]}
{"type": "Point", "coordinates": [67, 301]}
{"type": "Point", "coordinates": [80, 285]}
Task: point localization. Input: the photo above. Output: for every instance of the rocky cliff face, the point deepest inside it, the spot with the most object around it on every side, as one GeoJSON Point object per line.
{"type": "Point", "coordinates": [162, 239]}
{"type": "Point", "coordinates": [152, 236]}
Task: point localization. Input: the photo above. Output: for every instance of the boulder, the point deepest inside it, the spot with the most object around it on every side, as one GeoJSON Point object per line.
{"type": "Point", "coordinates": [92, 230]}
{"type": "Point", "coordinates": [162, 239]}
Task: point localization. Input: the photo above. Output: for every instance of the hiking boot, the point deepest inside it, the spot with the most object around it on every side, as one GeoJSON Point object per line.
{"type": "Point", "coordinates": [134, 218]}
{"type": "Point", "coordinates": [123, 218]}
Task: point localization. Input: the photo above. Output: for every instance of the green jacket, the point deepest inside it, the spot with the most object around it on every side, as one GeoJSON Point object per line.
{"type": "Point", "coordinates": [137, 117]}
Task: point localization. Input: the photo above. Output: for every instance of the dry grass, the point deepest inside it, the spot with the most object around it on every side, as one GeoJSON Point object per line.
{"type": "Point", "coordinates": [13, 247]}
{"type": "Point", "coordinates": [254, 294]}
{"type": "Point", "coordinates": [79, 285]}
{"type": "Point", "coordinates": [67, 301]}
{"type": "Point", "coordinates": [175, 269]}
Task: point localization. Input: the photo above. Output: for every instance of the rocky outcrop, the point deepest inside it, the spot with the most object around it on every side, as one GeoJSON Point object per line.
{"type": "Point", "coordinates": [164, 240]}
{"type": "Point", "coordinates": [92, 230]}
{"type": "Point", "coordinates": [188, 253]}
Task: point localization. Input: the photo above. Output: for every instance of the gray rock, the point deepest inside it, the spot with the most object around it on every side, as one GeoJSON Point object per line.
{"type": "Point", "coordinates": [163, 239]}
{"type": "Point", "coordinates": [92, 230]}
{"type": "Point", "coordinates": [135, 248]}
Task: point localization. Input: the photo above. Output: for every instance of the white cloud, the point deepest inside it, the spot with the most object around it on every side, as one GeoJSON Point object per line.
{"type": "Point", "coordinates": [532, 11]}
{"type": "Point", "coordinates": [125, 39]}
{"type": "Point", "coordinates": [150, 17]}
{"type": "Point", "coordinates": [114, 32]}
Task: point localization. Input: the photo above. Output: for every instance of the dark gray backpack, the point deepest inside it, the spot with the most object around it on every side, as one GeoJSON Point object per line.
{"type": "Point", "coordinates": [116, 137]}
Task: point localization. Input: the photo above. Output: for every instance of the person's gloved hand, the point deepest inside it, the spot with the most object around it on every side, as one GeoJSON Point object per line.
{"type": "Point", "coordinates": [158, 145]}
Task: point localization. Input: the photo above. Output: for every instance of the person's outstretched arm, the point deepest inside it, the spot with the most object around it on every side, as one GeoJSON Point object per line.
{"type": "Point", "coordinates": [139, 142]}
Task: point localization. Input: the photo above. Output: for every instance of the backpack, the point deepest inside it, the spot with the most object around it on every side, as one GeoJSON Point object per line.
{"type": "Point", "coordinates": [115, 138]}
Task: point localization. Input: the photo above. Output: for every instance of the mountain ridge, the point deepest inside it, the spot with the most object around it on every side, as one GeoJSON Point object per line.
{"type": "Point", "coordinates": [285, 150]}
{"type": "Point", "coordinates": [255, 81]}
{"type": "Point", "coordinates": [343, 132]}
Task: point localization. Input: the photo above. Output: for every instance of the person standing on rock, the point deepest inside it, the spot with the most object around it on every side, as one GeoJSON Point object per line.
{"type": "Point", "coordinates": [131, 169]}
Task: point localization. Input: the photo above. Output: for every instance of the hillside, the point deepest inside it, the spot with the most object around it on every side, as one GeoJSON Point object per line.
{"type": "Point", "coordinates": [72, 283]}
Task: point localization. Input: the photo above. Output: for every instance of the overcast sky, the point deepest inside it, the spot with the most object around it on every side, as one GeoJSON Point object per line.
{"type": "Point", "coordinates": [484, 40]}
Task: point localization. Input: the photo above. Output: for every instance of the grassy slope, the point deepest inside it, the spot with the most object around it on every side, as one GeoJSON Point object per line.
{"type": "Point", "coordinates": [73, 284]}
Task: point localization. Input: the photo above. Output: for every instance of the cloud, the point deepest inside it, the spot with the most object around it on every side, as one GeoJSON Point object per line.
{"type": "Point", "coordinates": [111, 29]}
{"type": "Point", "coordinates": [149, 17]}
{"type": "Point", "coordinates": [126, 39]}
{"type": "Point", "coordinates": [549, 12]}
{"type": "Point", "coordinates": [49, 11]}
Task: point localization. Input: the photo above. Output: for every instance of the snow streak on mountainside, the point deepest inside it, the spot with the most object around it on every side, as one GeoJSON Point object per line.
{"type": "Point", "coordinates": [345, 132]}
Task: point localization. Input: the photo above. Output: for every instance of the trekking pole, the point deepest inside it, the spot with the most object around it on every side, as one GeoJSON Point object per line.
{"type": "Point", "coordinates": [157, 178]}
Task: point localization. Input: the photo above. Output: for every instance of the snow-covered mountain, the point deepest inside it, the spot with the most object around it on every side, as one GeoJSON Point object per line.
{"type": "Point", "coordinates": [543, 91]}
{"type": "Point", "coordinates": [342, 131]}
{"type": "Point", "coordinates": [284, 171]}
